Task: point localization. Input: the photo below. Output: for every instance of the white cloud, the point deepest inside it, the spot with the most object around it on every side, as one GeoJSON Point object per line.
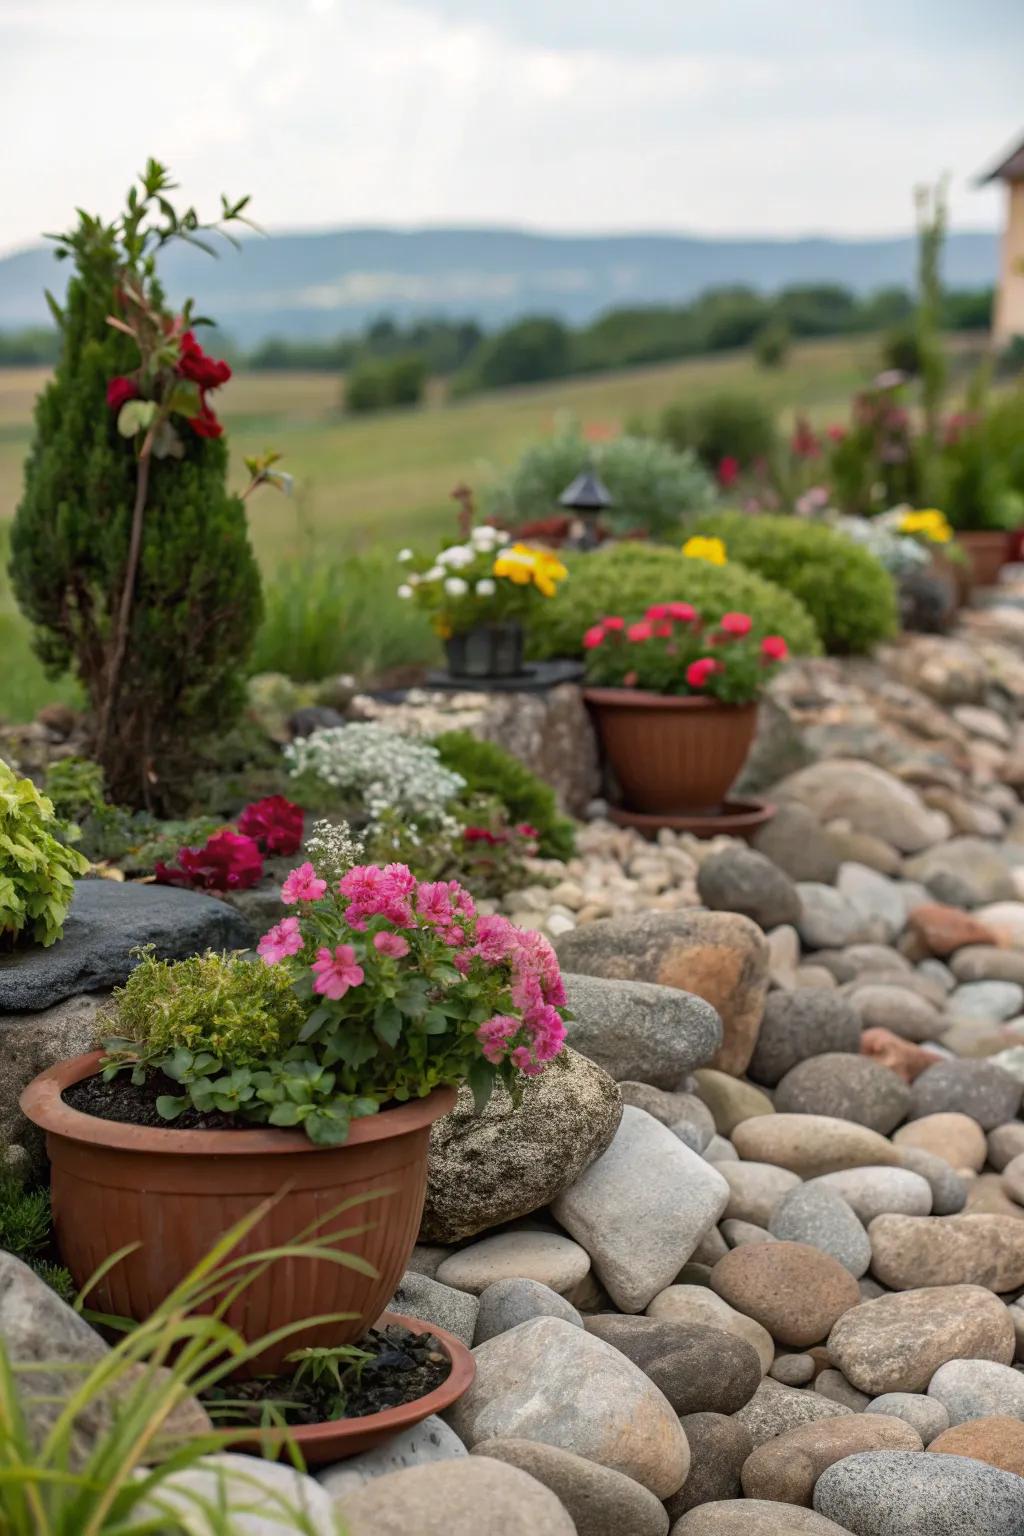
{"type": "Point", "coordinates": [737, 118]}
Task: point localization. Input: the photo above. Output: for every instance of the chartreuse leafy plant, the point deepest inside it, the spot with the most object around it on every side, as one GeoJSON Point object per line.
{"type": "Point", "coordinates": [37, 870]}
{"type": "Point", "coordinates": [629, 577]}
{"type": "Point", "coordinates": [381, 988]}
{"type": "Point", "coordinates": [129, 556]}
{"type": "Point", "coordinates": [848, 593]}
{"type": "Point", "coordinates": [124, 1484]}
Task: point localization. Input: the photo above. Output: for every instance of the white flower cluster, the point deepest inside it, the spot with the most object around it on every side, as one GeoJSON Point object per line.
{"type": "Point", "coordinates": [333, 848]}
{"type": "Point", "coordinates": [483, 543]}
{"type": "Point", "coordinates": [379, 769]}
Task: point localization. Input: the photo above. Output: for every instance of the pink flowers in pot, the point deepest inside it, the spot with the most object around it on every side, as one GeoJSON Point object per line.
{"type": "Point", "coordinates": [672, 650]}
{"type": "Point", "coordinates": [233, 861]}
{"type": "Point", "coordinates": [408, 988]}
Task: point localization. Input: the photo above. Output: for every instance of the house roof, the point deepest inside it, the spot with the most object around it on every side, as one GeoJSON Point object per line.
{"type": "Point", "coordinates": [1010, 169]}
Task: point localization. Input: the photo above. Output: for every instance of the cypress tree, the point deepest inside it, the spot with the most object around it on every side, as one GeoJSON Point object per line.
{"type": "Point", "coordinates": [157, 629]}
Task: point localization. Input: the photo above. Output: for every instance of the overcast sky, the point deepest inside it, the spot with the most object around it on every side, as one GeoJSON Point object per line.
{"type": "Point", "coordinates": [712, 116]}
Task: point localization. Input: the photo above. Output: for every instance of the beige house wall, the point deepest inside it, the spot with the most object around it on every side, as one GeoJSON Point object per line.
{"type": "Point", "coordinates": [1009, 311]}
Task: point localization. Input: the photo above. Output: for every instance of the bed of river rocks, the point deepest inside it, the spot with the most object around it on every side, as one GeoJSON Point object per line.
{"type": "Point", "coordinates": [748, 1260]}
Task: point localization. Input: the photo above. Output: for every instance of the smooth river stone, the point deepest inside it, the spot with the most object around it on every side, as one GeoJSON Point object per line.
{"type": "Point", "coordinates": [956, 1138]}
{"type": "Point", "coordinates": [600, 1502]}
{"type": "Point", "coordinates": [896, 1343]}
{"type": "Point", "coordinates": [872, 1191]}
{"type": "Point", "coordinates": [922, 1413]}
{"type": "Point", "coordinates": [699, 1369]}
{"type": "Point", "coordinates": [1005, 1142]}
{"type": "Point", "coordinates": [797, 1025]}
{"type": "Point", "coordinates": [755, 1189]}
{"type": "Point", "coordinates": [997, 1439]}
{"type": "Point", "coordinates": [811, 1144]}
{"type": "Point", "coordinates": [986, 962]}
{"type": "Point", "coordinates": [909, 1251]}
{"type": "Point", "coordinates": [755, 1517]}
{"type": "Point", "coordinates": [719, 1445]}
{"type": "Point", "coordinates": [977, 1389]}
{"type": "Point", "coordinates": [547, 1380]}
{"type": "Point", "coordinates": [792, 1289]}
{"type": "Point", "coordinates": [979, 1089]}
{"type": "Point", "coordinates": [788, 1467]}
{"type": "Point", "coordinates": [444, 1499]}
{"type": "Point", "coordinates": [846, 1087]}
{"type": "Point", "coordinates": [821, 1217]}
{"type": "Point", "coordinates": [884, 1006]}
{"type": "Point", "coordinates": [641, 1209]}
{"type": "Point", "coordinates": [699, 1304]}
{"type": "Point", "coordinates": [774, 1409]}
{"type": "Point", "coordinates": [907, 1493]}
{"type": "Point", "coordinates": [545, 1256]}
{"type": "Point", "coordinates": [729, 1099]}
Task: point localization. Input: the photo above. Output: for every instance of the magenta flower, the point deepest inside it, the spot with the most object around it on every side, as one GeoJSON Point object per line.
{"type": "Point", "coordinates": [303, 884]}
{"type": "Point", "coordinates": [283, 939]}
{"type": "Point", "coordinates": [335, 971]}
{"type": "Point", "coordinates": [227, 861]}
{"type": "Point", "coordinates": [275, 823]}
{"type": "Point", "coordinates": [391, 944]}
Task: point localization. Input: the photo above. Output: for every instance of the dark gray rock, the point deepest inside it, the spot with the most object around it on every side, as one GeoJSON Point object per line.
{"type": "Point", "coordinates": [976, 1088]}
{"type": "Point", "coordinates": [848, 1088]}
{"type": "Point", "coordinates": [949, 1190]}
{"type": "Point", "coordinates": [700, 1369]}
{"type": "Point", "coordinates": [796, 841]}
{"type": "Point", "coordinates": [797, 1025]}
{"type": "Point", "coordinates": [490, 1168]}
{"type": "Point", "coordinates": [683, 1113]}
{"type": "Point", "coordinates": [897, 1493]}
{"type": "Point", "coordinates": [816, 1215]}
{"type": "Point", "coordinates": [442, 1305]}
{"type": "Point", "coordinates": [774, 1408]}
{"type": "Point", "coordinates": [964, 872]}
{"type": "Point", "coordinates": [634, 1029]}
{"type": "Point", "coordinates": [107, 921]}
{"type": "Point", "coordinates": [719, 1445]}
{"type": "Point", "coordinates": [738, 879]}
{"type": "Point", "coordinates": [506, 1303]}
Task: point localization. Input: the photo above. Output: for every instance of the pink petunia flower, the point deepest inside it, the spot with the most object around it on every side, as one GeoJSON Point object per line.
{"type": "Point", "coordinates": [774, 648]}
{"type": "Point", "coordinates": [698, 672]}
{"type": "Point", "coordinates": [282, 940]}
{"type": "Point", "coordinates": [736, 624]}
{"type": "Point", "coordinates": [303, 884]}
{"type": "Point", "coordinates": [593, 638]}
{"type": "Point", "coordinates": [335, 971]}
{"type": "Point", "coordinates": [391, 944]}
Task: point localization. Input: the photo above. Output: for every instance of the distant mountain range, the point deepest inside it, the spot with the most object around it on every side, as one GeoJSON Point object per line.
{"type": "Point", "coordinates": [321, 285]}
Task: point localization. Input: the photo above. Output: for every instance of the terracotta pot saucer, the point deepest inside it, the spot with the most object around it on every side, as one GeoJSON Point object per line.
{"type": "Point", "coordinates": [734, 818]}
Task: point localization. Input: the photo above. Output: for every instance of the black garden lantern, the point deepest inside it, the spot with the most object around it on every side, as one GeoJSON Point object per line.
{"type": "Point", "coordinates": [585, 499]}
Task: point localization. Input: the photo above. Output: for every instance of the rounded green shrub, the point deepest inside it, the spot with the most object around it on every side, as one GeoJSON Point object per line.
{"type": "Point", "coordinates": [37, 870]}
{"type": "Point", "coordinates": [722, 426]}
{"type": "Point", "coordinates": [626, 578]}
{"type": "Point", "coordinates": [652, 485]}
{"type": "Point", "coordinates": [845, 589]}
{"type": "Point", "coordinates": [489, 770]}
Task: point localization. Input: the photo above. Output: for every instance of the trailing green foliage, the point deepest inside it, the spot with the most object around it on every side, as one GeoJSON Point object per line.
{"type": "Point", "coordinates": [651, 484]}
{"type": "Point", "coordinates": [37, 869]}
{"type": "Point", "coordinates": [847, 592]}
{"type": "Point", "coordinates": [195, 600]}
{"type": "Point", "coordinates": [628, 578]}
{"type": "Point", "coordinates": [230, 1007]}
{"type": "Point", "coordinates": [489, 770]}
{"type": "Point", "coordinates": [722, 426]}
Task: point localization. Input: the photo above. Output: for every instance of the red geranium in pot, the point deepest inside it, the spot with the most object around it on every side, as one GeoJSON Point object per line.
{"type": "Point", "coordinates": [675, 701]}
{"type": "Point", "coordinates": [316, 1070]}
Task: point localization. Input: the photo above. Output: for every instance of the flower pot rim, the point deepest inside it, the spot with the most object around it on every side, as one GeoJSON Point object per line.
{"type": "Point", "coordinates": [643, 698]}
{"type": "Point", "coordinates": [346, 1437]}
{"type": "Point", "coordinates": [41, 1103]}
{"type": "Point", "coordinates": [996, 535]}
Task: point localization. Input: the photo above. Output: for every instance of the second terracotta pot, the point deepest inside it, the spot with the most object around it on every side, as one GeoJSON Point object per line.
{"type": "Point", "coordinates": [987, 553]}
{"type": "Point", "coordinates": [175, 1193]}
{"type": "Point", "coordinates": [672, 755]}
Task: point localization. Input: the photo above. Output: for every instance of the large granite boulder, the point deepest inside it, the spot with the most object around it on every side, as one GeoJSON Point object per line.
{"type": "Point", "coordinates": [107, 921]}
{"type": "Point", "coordinates": [485, 1169]}
{"type": "Point", "coordinates": [31, 1043]}
{"type": "Point", "coordinates": [719, 956]}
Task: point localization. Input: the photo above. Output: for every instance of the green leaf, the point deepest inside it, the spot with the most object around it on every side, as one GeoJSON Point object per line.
{"type": "Point", "coordinates": [436, 1021]}
{"type": "Point", "coordinates": [184, 400]}
{"type": "Point", "coordinates": [387, 1024]}
{"type": "Point", "coordinates": [481, 1081]}
{"type": "Point", "coordinates": [288, 1114]}
{"type": "Point", "coordinates": [169, 1108]}
{"type": "Point", "coordinates": [135, 416]}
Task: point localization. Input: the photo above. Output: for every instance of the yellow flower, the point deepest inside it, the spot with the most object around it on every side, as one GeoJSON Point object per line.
{"type": "Point", "coordinates": [931, 522]}
{"type": "Point", "coordinates": [711, 550]}
{"type": "Point", "coordinates": [523, 563]}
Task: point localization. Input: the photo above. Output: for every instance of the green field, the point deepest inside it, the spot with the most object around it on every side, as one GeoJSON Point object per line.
{"type": "Point", "coordinates": [388, 478]}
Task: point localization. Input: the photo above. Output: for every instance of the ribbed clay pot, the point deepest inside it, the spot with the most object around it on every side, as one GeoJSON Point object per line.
{"type": "Point", "coordinates": [672, 755]}
{"type": "Point", "coordinates": [987, 553]}
{"type": "Point", "coordinates": [176, 1193]}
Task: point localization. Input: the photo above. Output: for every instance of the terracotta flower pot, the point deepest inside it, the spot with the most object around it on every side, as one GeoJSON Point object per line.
{"type": "Point", "coordinates": [672, 755]}
{"type": "Point", "coordinates": [987, 553]}
{"type": "Point", "coordinates": [176, 1193]}
{"type": "Point", "coordinates": [332, 1441]}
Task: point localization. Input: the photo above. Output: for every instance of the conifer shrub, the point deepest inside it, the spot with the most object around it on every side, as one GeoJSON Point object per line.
{"type": "Point", "coordinates": [489, 770]}
{"type": "Point", "coordinates": [129, 555]}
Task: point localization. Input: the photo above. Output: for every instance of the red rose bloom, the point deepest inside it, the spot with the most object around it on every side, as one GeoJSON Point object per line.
{"type": "Point", "coordinates": [206, 423]}
{"type": "Point", "coordinates": [737, 624]}
{"type": "Point", "coordinates": [698, 672]}
{"type": "Point", "coordinates": [637, 633]}
{"type": "Point", "coordinates": [195, 364]}
{"type": "Point", "coordinates": [774, 648]}
{"type": "Point", "coordinates": [593, 637]}
{"type": "Point", "coordinates": [120, 391]}
{"type": "Point", "coordinates": [614, 623]}
{"type": "Point", "coordinates": [274, 823]}
{"type": "Point", "coordinates": [728, 471]}
{"type": "Point", "coordinates": [683, 613]}
{"type": "Point", "coordinates": [227, 862]}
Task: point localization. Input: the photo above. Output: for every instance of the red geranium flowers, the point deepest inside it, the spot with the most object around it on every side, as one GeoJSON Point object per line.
{"type": "Point", "coordinates": [233, 861]}
{"type": "Point", "coordinates": [666, 651]}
